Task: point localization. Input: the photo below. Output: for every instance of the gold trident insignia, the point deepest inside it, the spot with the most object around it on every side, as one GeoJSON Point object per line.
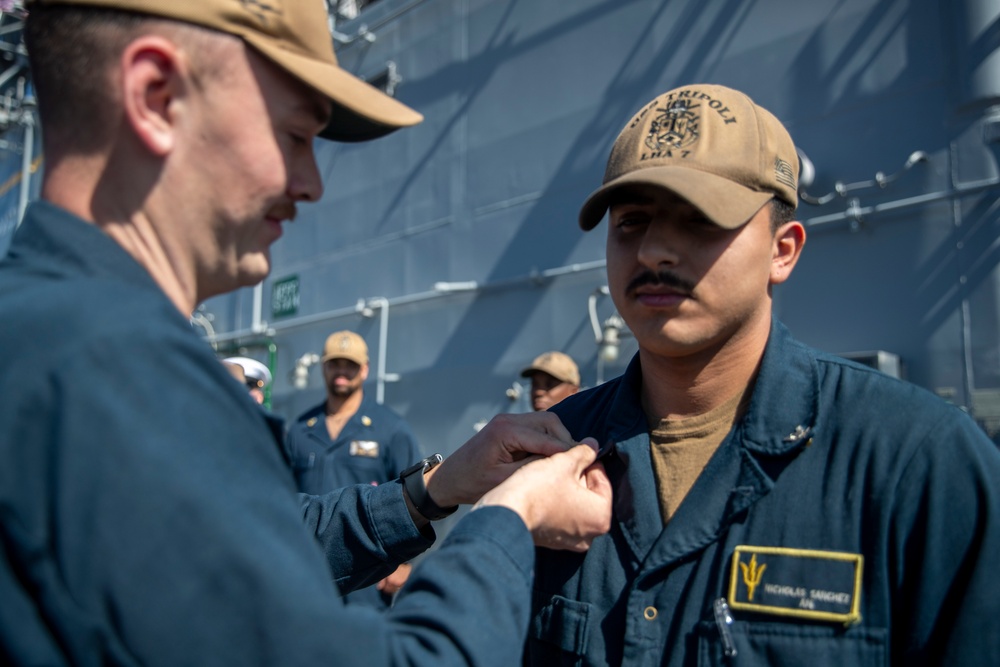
{"type": "Point", "coordinates": [752, 575]}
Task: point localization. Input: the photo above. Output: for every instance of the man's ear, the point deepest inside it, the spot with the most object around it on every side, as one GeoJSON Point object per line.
{"type": "Point", "coordinates": [152, 80]}
{"type": "Point", "coordinates": [785, 250]}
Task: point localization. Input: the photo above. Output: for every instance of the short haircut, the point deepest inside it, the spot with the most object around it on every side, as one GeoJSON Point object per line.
{"type": "Point", "coordinates": [70, 51]}
{"type": "Point", "coordinates": [781, 213]}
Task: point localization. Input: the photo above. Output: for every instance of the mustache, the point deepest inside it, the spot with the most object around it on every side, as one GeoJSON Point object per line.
{"type": "Point", "coordinates": [660, 279]}
{"type": "Point", "coordinates": [284, 212]}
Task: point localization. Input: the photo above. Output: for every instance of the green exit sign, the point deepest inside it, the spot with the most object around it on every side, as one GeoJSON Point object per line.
{"type": "Point", "coordinates": [285, 297]}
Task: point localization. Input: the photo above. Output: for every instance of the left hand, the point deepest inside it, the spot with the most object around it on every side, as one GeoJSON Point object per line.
{"type": "Point", "coordinates": [492, 455]}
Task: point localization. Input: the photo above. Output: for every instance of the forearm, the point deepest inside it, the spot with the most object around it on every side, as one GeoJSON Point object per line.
{"type": "Point", "coordinates": [365, 532]}
{"type": "Point", "coordinates": [468, 602]}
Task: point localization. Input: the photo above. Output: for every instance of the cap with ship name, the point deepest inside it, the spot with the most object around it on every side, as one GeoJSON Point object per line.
{"type": "Point", "coordinates": [709, 144]}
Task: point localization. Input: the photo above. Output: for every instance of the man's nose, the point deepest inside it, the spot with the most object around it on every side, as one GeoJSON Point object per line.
{"type": "Point", "coordinates": [306, 183]}
{"type": "Point", "coordinates": [658, 247]}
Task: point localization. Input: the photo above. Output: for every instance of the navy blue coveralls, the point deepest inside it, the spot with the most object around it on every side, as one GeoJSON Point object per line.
{"type": "Point", "coordinates": [374, 446]}
{"type": "Point", "coordinates": [848, 519]}
{"type": "Point", "coordinates": [148, 516]}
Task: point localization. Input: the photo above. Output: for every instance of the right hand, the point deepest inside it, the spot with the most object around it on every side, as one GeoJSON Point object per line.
{"type": "Point", "coordinates": [492, 455]}
{"type": "Point", "coordinates": [564, 499]}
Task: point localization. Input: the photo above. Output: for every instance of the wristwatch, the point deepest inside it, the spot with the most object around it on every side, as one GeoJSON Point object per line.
{"type": "Point", "coordinates": [413, 482]}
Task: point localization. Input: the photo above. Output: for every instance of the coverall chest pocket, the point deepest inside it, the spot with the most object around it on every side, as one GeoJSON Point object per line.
{"type": "Point", "coordinates": [304, 467]}
{"type": "Point", "coordinates": [559, 632]}
{"type": "Point", "coordinates": [357, 470]}
{"type": "Point", "coordinates": [792, 645]}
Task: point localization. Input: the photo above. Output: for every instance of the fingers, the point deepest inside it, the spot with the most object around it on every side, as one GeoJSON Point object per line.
{"type": "Point", "coordinates": [502, 447]}
{"type": "Point", "coordinates": [597, 480]}
{"type": "Point", "coordinates": [539, 433]}
{"type": "Point", "coordinates": [551, 423]}
{"type": "Point", "coordinates": [521, 461]}
{"type": "Point", "coordinates": [564, 499]}
{"type": "Point", "coordinates": [584, 454]}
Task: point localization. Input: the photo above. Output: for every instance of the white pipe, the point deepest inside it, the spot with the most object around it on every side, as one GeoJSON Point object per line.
{"type": "Point", "coordinates": [26, 157]}
{"type": "Point", "coordinates": [449, 290]}
{"type": "Point", "coordinates": [441, 289]}
{"type": "Point", "coordinates": [592, 309]}
{"type": "Point", "coordinates": [462, 286]}
{"type": "Point", "coordinates": [909, 202]}
{"type": "Point", "coordinates": [257, 323]}
{"type": "Point", "coordinates": [382, 304]}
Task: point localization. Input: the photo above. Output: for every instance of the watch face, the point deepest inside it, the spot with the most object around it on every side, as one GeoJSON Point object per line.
{"type": "Point", "coordinates": [423, 465]}
{"type": "Point", "coordinates": [414, 485]}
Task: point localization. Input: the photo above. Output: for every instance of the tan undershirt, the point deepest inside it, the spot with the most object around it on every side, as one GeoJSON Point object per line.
{"type": "Point", "coordinates": [681, 448]}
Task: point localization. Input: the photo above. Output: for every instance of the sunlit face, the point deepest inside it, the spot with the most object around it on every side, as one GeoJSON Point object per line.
{"type": "Point", "coordinates": [684, 285]}
{"type": "Point", "coordinates": [246, 150]}
{"type": "Point", "coordinates": [343, 377]}
{"type": "Point", "coordinates": [547, 390]}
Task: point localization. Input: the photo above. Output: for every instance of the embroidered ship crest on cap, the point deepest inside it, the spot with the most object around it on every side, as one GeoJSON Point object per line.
{"type": "Point", "coordinates": [675, 126]}
{"type": "Point", "coordinates": [261, 10]}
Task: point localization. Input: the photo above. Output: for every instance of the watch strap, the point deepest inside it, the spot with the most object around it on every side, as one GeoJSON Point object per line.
{"type": "Point", "coordinates": [413, 482]}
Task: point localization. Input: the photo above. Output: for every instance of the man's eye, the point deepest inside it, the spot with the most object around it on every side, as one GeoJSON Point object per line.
{"type": "Point", "coordinates": [632, 220]}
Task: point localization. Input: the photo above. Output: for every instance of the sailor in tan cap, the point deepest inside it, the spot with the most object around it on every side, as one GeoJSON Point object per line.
{"type": "Point", "coordinates": [554, 376]}
{"type": "Point", "coordinates": [767, 495]}
{"type": "Point", "coordinates": [152, 527]}
{"type": "Point", "coordinates": [348, 439]}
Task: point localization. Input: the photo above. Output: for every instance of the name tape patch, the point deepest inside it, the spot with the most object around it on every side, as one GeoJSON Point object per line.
{"type": "Point", "coordinates": [368, 448]}
{"type": "Point", "coordinates": [821, 585]}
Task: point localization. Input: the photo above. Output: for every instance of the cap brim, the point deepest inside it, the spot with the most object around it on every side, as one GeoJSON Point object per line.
{"type": "Point", "coordinates": [360, 111]}
{"type": "Point", "coordinates": [724, 202]}
{"type": "Point", "coordinates": [528, 372]}
{"type": "Point", "coordinates": [327, 357]}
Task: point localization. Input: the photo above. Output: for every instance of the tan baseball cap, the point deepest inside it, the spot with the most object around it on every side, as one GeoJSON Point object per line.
{"type": "Point", "coordinates": [710, 145]}
{"type": "Point", "coordinates": [556, 364]}
{"type": "Point", "coordinates": [294, 35]}
{"type": "Point", "coordinates": [346, 345]}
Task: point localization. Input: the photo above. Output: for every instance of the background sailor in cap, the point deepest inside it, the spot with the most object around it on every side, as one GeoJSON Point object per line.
{"type": "Point", "coordinates": [256, 375]}
{"type": "Point", "coordinates": [554, 376]}
{"type": "Point", "coordinates": [350, 439]}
